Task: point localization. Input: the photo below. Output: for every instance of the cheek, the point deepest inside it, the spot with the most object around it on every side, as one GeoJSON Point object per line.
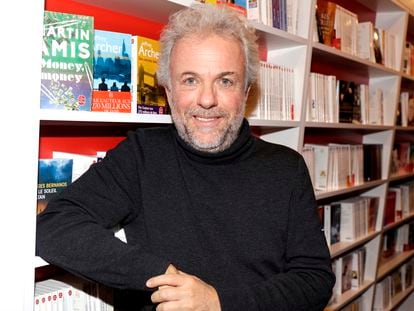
{"type": "Point", "coordinates": [183, 100]}
{"type": "Point", "coordinates": [232, 103]}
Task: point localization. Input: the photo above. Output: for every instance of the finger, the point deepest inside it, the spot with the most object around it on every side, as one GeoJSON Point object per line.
{"type": "Point", "coordinates": [165, 279]}
{"type": "Point", "coordinates": [171, 270]}
{"type": "Point", "coordinates": [170, 305]}
{"type": "Point", "coordinates": [166, 294]}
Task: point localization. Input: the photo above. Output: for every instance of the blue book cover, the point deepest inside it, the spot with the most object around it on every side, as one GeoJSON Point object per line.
{"type": "Point", "coordinates": [112, 72]}
{"type": "Point", "coordinates": [67, 61]}
{"type": "Point", "coordinates": [54, 175]}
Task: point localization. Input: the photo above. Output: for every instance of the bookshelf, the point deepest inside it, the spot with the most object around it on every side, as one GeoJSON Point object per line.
{"type": "Point", "coordinates": [299, 52]}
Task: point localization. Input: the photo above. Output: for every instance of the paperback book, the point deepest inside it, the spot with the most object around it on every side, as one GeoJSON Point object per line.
{"type": "Point", "coordinates": [111, 72]}
{"type": "Point", "coordinates": [54, 175]}
{"type": "Point", "coordinates": [147, 95]}
{"type": "Point", "coordinates": [67, 61]}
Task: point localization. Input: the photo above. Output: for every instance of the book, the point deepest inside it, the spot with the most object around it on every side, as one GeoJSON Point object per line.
{"type": "Point", "coordinates": [111, 72]}
{"type": "Point", "coordinates": [346, 95]}
{"type": "Point", "coordinates": [378, 41]}
{"type": "Point", "coordinates": [325, 21]}
{"type": "Point", "coordinates": [67, 61]}
{"type": "Point", "coordinates": [366, 41]}
{"type": "Point", "coordinates": [373, 208]}
{"type": "Point", "coordinates": [372, 161]}
{"type": "Point", "coordinates": [389, 240]}
{"type": "Point", "coordinates": [147, 95]}
{"type": "Point", "coordinates": [346, 263]}
{"type": "Point", "coordinates": [410, 111]}
{"type": "Point", "coordinates": [81, 162]}
{"type": "Point", "coordinates": [54, 175]}
{"type": "Point", "coordinates": [335, 219]}
{"type": "Point", "coordinates": [390, 202]}
{"type": "Point", "coordinates": [70, 293]}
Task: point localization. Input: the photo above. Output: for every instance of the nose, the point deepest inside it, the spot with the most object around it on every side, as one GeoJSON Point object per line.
{"type": "Point", "coordinates": [207, 96]}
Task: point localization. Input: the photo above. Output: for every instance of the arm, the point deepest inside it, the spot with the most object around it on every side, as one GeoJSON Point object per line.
{"type": "Point", "coordinates": [75, 230]}
{"type": "Point", "coordinates": [305, 283]}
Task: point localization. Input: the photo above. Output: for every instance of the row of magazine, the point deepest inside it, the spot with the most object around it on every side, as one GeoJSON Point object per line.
{"type": "Point", "coordinates": [340, 28]}
{"type": "Point", "coordinates": [96, 70]}
{"type": "Point", "coordinates": [337, 166]}
{"type": "Point", "coordinates": [349, 219]}
{"type": "Point", "coordinates": [334, 100]}
{"type": "Point", "coordinates": [281, 14]}
{"type": "Point", "coordinates": [88, 69]}
{"type": "Point", "coordinates": [399, 202]}
{"type": "Point", "coordinates": [69, 293]}
{"type": "Point", "coordinates": [399, 281]}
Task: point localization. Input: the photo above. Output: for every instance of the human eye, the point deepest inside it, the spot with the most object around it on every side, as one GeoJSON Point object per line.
{"type": "Point", "coordinates": [189, 81]}
{"type": "Point", "coordinates": [226, 82]}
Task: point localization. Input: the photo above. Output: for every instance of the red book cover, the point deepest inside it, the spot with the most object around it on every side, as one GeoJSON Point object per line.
{"type": "Point", "coordinates": [389, 215]}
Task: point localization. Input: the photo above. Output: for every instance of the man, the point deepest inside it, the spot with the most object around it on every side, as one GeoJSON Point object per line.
{"type": "Point", "coordinates": [215, 218]}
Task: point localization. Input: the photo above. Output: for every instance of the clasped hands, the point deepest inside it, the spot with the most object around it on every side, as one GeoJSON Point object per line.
{"type": "Point", "coordinates": [179, 291]}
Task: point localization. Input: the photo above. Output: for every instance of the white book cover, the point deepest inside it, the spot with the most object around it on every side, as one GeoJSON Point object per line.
{"type": "Point", "coordinates": [356, 272]}
{"type": "Point", "coordinates": [321, 165]}
{"type": "Point", "coordinates": [327, 223]}
{"type": "Point", "coordinates": [81, 162]}
{"type": "Point", "coordinates": [348, 220]}
{"type": "Point", "coordinates": [253, 10]}
{"type": "Point", "coordinates": [404, 98]}
{"type": "Point", "coordinates": [365, 41]}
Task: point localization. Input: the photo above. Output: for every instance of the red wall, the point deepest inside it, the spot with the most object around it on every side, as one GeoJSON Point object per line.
{"type": "Point", "coordinates": [108, 20]}
{"type": "Point", "coordinates": [88, 139]}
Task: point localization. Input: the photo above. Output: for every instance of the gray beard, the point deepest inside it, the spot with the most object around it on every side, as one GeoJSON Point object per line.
{"type": "Point", "coordinates": [223, 139]}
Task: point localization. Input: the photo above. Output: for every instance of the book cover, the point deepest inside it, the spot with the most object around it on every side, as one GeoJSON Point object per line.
{"type": "Point", "coordinates": [238, 5]}
{"type": "Point", "coordinates": [148, 96]}
{"type": "Point", "coordinates": [111, 72]}
{"type": "Point", "coordinates": [67, 61]}
{"type": "Point", "coordinates": [372, 161]}
{"type": "Point", "coordinates": [378, 38]}
{"type": "Point", "coordinates": [346, 272]}
{"type": "Point", "coordinates": [390, 201]}
{"type": "Point", "coordinates": [54, 175]}
{"type": "Point", "coordinates": [348, 219]}
{"type": "Point", "coordinates": [335, 222]}
{"type": "Point", "coordinates": [373, 208]}
{"type": "Point", "coordinates": [410, 111]}
{"type": "Point", "coordinates": [325, 21]}
{"type": "Point", "coordinates": [346, 92]}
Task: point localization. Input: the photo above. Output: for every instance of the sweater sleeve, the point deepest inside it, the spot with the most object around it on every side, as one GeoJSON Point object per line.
{"type": "Point", "coordinates": [75, 231]}
{"type": "Point", "coordinates": [307, 281]}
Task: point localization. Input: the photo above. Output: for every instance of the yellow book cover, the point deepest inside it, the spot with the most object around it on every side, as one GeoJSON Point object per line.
{"type": "Point", "coordinates": [149, 97]}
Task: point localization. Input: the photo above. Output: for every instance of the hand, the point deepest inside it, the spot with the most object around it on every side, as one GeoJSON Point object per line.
{"type": "Point", "coordinates": [184, 292]}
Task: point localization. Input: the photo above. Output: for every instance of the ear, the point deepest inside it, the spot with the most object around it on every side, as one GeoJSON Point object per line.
{"type": "Point", "coordinates": [168, 93]}
{"type": "Point", "coordinates": [246, 93]}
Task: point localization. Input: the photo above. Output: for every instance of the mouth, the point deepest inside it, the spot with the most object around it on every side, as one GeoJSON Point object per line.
{"type": "Point", "coordinates": [206, 119]}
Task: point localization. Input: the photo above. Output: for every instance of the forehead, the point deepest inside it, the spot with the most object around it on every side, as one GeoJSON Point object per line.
{"type": "Point", "coordinates": [212, 52]}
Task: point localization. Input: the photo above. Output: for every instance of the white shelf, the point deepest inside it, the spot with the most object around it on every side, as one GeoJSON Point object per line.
{"type": "Point", "coordinates": [108, 117]}
{"type": "Point", "coordinates": [298, 52]}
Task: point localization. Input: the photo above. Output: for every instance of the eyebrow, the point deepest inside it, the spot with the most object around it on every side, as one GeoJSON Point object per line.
{"type": "Point", "coordinates": [221, 74]}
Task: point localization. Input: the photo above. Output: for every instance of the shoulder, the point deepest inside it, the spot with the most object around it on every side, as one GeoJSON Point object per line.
{"type": "Point", "coordinates": [143, 141]}
{"type": "Point", "coordinates": [277, 152]}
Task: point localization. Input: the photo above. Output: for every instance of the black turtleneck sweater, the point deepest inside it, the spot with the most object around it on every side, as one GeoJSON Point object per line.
{"type": "Point", "coordinates": [243, 220]}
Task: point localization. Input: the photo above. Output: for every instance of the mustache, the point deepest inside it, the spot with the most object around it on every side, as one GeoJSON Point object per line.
{"type": "Point", "coordinates": [206, 113]}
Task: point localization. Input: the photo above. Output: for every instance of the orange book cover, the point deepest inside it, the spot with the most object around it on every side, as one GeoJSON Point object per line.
{"type": "Point", "coordinates": [148, 95]}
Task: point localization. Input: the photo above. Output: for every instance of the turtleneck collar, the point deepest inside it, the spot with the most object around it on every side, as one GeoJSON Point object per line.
{"type": "Point", "coordinates": [239, 149]}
